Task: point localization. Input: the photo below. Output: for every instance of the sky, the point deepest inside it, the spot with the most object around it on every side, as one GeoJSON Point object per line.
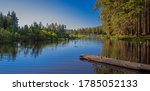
{"type": "Point", "coordinates": [73, 13]}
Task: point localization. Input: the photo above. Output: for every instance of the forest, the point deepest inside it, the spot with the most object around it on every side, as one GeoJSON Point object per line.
{"type": "Point", "coordinates": [82, 32]}
{"type": "Point", "coordinates": [125, 17]}
{"type": "Point", "coordinates": [119, 17]}
{"type": "Point", "coordinates": [10, 30]}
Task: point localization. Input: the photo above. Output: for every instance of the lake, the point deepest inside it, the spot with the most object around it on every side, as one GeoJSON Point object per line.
{"type": "Point", "coordinates": [50, 57]}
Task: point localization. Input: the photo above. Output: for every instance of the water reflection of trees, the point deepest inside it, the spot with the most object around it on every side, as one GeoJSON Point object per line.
{"type": "Point", "coordinates": [109, 69]}
{"type": "Point", "coordinates": [9, 52]}
{"type": "Point", "coordinates": [101, 69]}
{"type": "Point", "coordinates": [91, 39]}
{"type": "Point", "coordinates": [129, 51]}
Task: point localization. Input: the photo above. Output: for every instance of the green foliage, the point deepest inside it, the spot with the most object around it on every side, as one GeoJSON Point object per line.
{"type": "Point", "coordinates": [10, 31]}
{"type": "Point", "coordinates": [4, 35]}
{"type": "Point", "coordinates": [121, 16]}
{"type": "Point", "coordinates": [86, 31]}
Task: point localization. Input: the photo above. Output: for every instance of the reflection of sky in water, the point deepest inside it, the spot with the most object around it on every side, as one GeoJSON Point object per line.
{"type": "Point", "coordinates": [63, 58]}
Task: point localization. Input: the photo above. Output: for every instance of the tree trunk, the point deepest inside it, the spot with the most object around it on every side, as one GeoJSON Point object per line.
{"type": "Point", "coordinates": [148, 23]}
{"type": "Point", "coordinates": [139, 24]}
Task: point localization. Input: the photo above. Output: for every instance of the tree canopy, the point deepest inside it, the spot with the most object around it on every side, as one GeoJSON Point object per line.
{"type": "Point", "coordinates": [125, 17]}
{"type": "Point", "coordinates": [11, 31]}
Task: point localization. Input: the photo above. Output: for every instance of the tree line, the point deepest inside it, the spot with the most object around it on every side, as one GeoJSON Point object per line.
{"type": "Point", "coordinates": [125, 17]}
{"type": "Point", "coordinates": [11, 31]}
{"type": "Point", "coordinates": [87, 31]}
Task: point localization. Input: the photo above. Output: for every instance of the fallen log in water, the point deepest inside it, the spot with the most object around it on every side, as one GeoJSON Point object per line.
{"type": "Point", "coordinates": [120, 63]}
{"type": "Point", "coordinates": [99, 67]}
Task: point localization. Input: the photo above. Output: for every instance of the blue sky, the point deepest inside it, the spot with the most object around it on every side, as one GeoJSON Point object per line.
{"type": "Point", "coordinates": [73, 13]}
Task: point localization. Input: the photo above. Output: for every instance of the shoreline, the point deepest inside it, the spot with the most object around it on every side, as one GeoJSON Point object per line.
{"type": "Point", "coordinates": [126, 38]}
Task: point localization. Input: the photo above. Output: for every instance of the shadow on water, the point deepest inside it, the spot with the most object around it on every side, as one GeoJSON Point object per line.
{"type": "Point", "coordinates": [128, 51]}
{"type": "Point", "coordinates": [123, 50]}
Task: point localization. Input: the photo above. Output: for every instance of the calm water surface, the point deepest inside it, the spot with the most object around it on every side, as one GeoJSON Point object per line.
{"type": "Point", "coordinates": [63, 57]}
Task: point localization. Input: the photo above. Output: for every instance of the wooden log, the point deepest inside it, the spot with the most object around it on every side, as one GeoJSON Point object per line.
{"type": "Point", "coordinates": [120, 63]}
{"type": "Point", "coordinates": [117, 68]}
